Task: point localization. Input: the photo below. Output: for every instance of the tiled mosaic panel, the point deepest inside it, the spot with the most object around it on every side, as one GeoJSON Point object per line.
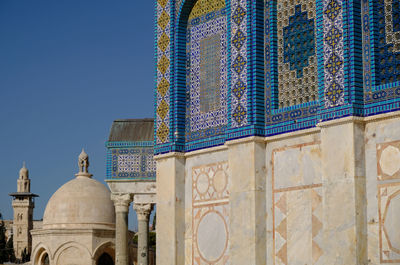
{"type": "Point", "coordinates": [388, 41]}
{"type": "Point", "coordinates": [135, 162]}
{"type": "Point", "coordinates": [297, 60]}
{"type": "Point", "coordinates": [383, 84]}
{"type": "Point", "coordinates": [206, 76]}
{"type": "Point", "coordinates": [366, 46]}
{"type": "Point", "coordinates": [201, 7]}
{"type": "Point", "coordinates": [210, 76]}
{"type": "Point", "coordinates": [239, 63]}
{"type": "Point", "coordinates": [163, 28]}
{"type": "Point", "coordinates": [333, 53]}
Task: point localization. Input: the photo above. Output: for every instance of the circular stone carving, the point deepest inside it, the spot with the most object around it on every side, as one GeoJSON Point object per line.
{"type": "Point", "coordinates": [390, 160]}
{"type": "Point", "coordinates": [220, 181]}
{"type": "Point", "coordinates": [392, 222]}
{"type": "Point", "coordinates": [202, 183]}
{"type": "Point", "coordinates": [212, 236]}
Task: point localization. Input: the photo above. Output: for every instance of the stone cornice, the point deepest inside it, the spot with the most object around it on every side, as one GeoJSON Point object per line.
{"type": "Point", "coordinates": [256, 139]}
{"type": "Point", "coordinates": [169, 155]}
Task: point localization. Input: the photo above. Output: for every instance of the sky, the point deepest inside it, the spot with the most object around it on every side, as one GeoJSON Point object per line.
{"type": "Point", "coordinates": [67, 70]}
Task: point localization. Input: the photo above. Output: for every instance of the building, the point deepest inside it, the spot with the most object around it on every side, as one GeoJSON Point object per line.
{"type": "Point", "coordinates": [23, 204]}
{"type": "Point", "coordinates": [277, 131]}
{"type": "Point", "coordinates": [78, 224]}
{"type": "Point", "coordinates": [131, 176]}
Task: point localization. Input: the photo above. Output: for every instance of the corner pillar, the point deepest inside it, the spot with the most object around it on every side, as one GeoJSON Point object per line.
{"type": "Point", "coordinates": [121, 203]}
{"type": "Point", "coordinates": [143, 211]}
{"type": "Point", "coordinates": [344, 192]}
{"type": "Point", "coordinates": [248, 201]}
{"type": "Point", "coordinates": [170, 209]}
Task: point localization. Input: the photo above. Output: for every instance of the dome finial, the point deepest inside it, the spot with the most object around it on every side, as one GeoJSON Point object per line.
{"type": "Point", "coordinates": [83, 164]}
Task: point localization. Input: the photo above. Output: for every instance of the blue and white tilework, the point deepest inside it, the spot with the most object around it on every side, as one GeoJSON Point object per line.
{"type": "Point", "coordinates": [178, 4]}
{"type": "Point", "coordinates": [133, 163]}
{"type": "Point", "coordinates": [392, 23]}
{"type": "Point", "coordinates": [206, 113]}
{"type": "Point", "coordinates": [387, 25]}
{"type": "Point", "coordinates": [366, 27]}
{"type": "Point", "coordinates": [297, 60]}
{"type": "Point", "coordinates": [239, 108]}
{"type": "Point", "coordinates": [163, 51]}
{"type": "Point", "coordinates": [333, 53]}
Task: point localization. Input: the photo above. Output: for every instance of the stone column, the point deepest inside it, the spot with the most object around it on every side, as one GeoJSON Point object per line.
{"type": "Point", "coordinates": [344, 186]}
{"type": "Point", "coordinates": [143, 211]}
{"type": "Point", "coordinates": [247, 201]}
{"type": "Point", "coordinates": [121, 203]}
{"type": "Point", "coordinates": [170, 209]}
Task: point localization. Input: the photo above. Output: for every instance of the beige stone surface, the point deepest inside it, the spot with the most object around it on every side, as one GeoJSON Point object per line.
{"type": "Point", "coordinates": [382, 143]}
{"type": "Point", "coordinates": [247, 201]}
{"type": "Point", "coordinates": [343, 187]}
{"type": "Point", "coordinates": [207, 189]}
{"type": "Point", "coordinates": [170, 209]}
{"type": "Point", "coordinates": [80, 202]}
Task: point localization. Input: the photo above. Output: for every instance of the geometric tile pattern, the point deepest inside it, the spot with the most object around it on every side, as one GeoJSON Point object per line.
{"type": "Point", "coordinates": [297, 217]}
{"type": "Point", "coordinates": [388, 209]}
{"type": "Point", "coordinates": [388, 160]}
{"type": "Point", "coordinates": [336, 37]}
{"type": "Point", "coordinates": [136, 162]}
{"type": "Point", "coordinates": [299, 41]}
{"type": "Point", "coordinates": [366, 46]}
{"type": "Point", "coordinates": [333, 53]}
{"type": "Point", "coordinates": [210, 214]}
{"type": "Point", "coordinates": [203, 7]}
{"type": "Point", "coordinates": [206, 75]}
{"type": "Point", "coordinates": [381, 55]}
{"type": "Point", "coordinates": [239, 63]}
{"type": "Point", "coordinates": [276, 101]}
{"type": "Point", "coordinates": [297, 60]}
{"type": "Point", "coordinates": [388, 170]}
{"type": "Point", "coordinates": [298, 225]}
{"type": "Point", "coordinates": [388, 42]}
{"type": "Point", "coordinates": [163, 28]}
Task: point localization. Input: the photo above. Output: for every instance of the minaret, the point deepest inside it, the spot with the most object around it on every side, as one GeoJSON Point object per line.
{"type": "Point", "coordinates": [23, 204]}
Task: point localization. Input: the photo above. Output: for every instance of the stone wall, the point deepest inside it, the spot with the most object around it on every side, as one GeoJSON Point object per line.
{"type": "Point", "coordinates": [326, 195]}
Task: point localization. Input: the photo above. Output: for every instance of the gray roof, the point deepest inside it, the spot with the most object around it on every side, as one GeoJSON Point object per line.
{"type": "Point", "coordinates": [23, 194]}
{"type": "Point", "coordinates": [132, 130]}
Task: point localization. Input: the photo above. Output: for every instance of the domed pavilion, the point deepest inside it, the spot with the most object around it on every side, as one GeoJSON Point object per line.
{"type": "Point", "coordinates": [78, 224]}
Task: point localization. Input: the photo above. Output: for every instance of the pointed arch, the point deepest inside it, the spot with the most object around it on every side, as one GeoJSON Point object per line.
{"type": "Point", "coordinates": [209, 110]}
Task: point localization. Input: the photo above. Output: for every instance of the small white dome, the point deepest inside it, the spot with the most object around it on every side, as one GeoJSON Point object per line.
{"type": "Point", "coordinates": [80, 203]}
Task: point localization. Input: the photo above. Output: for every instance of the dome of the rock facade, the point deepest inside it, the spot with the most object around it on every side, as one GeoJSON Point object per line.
{"type": "Point", "coordinates": [80, 203]}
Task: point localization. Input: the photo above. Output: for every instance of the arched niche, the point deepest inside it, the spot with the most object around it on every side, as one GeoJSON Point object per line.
{"type": "Point", "coordinates": [201, 70]}
{"type": "Point", "coordinates": [105, 259]}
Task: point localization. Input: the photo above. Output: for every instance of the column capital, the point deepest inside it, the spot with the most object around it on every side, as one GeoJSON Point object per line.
{"type": "Point", "coordinates": [121, 201]}
{"type": "Point", "coordinates": [143, 210]}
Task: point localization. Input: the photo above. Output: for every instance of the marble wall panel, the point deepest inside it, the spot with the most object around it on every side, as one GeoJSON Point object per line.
{"type": "Point", "coordinates": [207, 209]}
{"type": "Point", "coordinates": [382, 154]}
{"type": "Point", "coordinates": [296, 204]}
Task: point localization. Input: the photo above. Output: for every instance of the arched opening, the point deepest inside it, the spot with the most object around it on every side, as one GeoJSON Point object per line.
{"type": "Point", "coordinates": [45, 259]}
{"type": "Point", "coordinates": [105, 259]}
{"type": "Point", "coordinates": [202, 58]}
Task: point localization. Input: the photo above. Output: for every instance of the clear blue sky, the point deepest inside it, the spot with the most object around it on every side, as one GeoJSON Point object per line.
{"type": "Point", "coordinates": [67, 70]}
